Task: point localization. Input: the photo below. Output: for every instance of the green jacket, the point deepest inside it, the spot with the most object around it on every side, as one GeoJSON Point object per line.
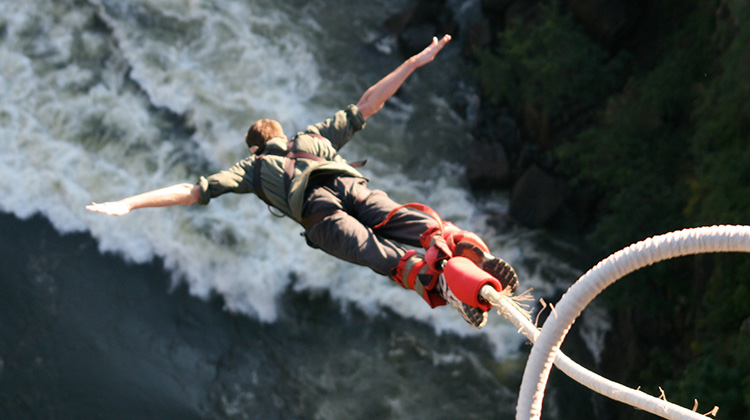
{"type": "Point", "coordinates": [326, 139]}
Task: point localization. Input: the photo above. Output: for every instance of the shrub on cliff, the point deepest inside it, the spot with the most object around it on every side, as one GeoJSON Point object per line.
{"type": "Point", "coordinates": [669, 150]}
{"type": "Point", "coordinates": [548, 72]}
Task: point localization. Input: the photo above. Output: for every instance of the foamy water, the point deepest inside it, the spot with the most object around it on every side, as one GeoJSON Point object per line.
{"type": "Point", "coordinates": [105, 99]}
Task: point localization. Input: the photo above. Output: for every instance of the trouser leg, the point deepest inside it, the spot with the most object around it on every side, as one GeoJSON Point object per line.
{"type": "Point", "coordinates": [344, 237]}
{"type": "Point", "coordinates": [347, 233]}
{"type": "Point", "coordinates": [405, 226]}
{"type": "Point", "coordinates": [412, 227]}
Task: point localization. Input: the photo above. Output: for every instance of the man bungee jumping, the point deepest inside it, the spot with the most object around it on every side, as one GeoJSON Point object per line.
{"type": "Point", "coordinates": [306, 179]}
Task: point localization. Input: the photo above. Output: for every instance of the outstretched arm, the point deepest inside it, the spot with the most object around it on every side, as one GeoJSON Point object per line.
{"type": "Point", "coordinates": [180, 194]}
{"type": "Point", "coordinates": [374, 98]}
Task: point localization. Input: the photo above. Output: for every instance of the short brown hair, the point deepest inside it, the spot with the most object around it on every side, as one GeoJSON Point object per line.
{"type": "Point", "coordinates": [261, 131]}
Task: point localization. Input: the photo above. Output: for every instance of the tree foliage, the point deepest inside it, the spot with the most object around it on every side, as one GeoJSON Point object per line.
{"type": "Point", "coordinates": [552, 68]}
{"type": "Point", "coordinates": [670, 149]}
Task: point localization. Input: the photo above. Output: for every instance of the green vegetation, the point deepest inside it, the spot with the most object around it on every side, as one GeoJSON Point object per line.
{"type": "Point", "coordinates": [552, 71]}
{"type": "Point", "coordinates": [668, 147]}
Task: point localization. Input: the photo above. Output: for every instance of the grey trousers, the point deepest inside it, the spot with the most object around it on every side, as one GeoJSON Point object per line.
{"type": "Point", "coordinates": [352, 209]}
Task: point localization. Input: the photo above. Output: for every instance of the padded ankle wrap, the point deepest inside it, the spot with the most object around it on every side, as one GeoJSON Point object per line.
{"type": "Point", "coordinates": [440, 241]}
{"type": "Point", "coordinates": [413, 272]}
{"type": "Point", "coordinates": [466, 280]}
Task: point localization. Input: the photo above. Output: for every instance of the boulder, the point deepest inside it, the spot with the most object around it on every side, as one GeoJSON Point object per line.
{"type": "Point", "coordinates": [495, 7]}
{"type": "Point", "coordinates": [487, 167]}
{"type": "Point", "coordinates": [418, 22]}
{"type": "Point", "coordinates": [397, 23]}
{"type": "Point", "coordinates": [478, 36]}
{"type": "Point", "coordinates": [415, 37]}
{"type": "Point", "coordinates": [745, 327]}
{"type": "Point", "coordinates": [536, 197]}
{"type": "Point", "coordinates": [520, 11]}
{"type": "Point", "coordinates": [604, 19]}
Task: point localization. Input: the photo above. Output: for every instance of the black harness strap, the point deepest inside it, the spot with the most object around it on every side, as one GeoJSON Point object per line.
{"type": "Point", "coordinates": [257, 185]}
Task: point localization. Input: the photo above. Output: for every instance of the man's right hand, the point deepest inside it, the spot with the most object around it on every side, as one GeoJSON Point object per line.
{"type": "Point", "coordinates": [112, 208]}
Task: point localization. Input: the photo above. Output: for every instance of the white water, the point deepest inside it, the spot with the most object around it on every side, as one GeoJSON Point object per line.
{"type": "Point", "coordinates": [103, 99]}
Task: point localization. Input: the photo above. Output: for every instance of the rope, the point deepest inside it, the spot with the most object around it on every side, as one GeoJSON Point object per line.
{"type": "Point", "coordinates": [547, 342]}
{"type": "Point", "coordinates": [507, 308]}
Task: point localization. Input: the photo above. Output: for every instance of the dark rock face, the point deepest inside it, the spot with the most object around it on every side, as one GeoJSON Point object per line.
{"type": "Point", "coordinates": [488, 167]}
{"type": "Point", "coordinates": [604, 19]}
{"type": "Point", "coordinates": [500, 157]}
{"type": "Point", "coordinates": [536, 197]}
{"type": "Point", "coordinates": [418, 23]}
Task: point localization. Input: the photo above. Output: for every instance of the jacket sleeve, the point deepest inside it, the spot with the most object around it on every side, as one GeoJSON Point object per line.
{"type": "Point", "coordinates": [341, 127]}
{"type": "Point", "coordinates": [237, 179]}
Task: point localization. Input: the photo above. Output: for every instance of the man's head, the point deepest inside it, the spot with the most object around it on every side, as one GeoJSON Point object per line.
{"type": "Point", "coordinates": [260, 132]}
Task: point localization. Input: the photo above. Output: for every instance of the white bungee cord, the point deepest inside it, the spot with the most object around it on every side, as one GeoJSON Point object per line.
{"type": "Point", "coordinates": [547, 342]}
